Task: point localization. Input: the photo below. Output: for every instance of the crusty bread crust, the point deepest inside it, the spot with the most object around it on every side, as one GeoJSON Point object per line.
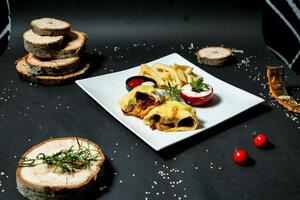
{"type": "Point", "coordinates": [37, 192]}
{"type": "Point", "coordinates": [39, 66]}
{"type": "Point", "coordinates": [75, 46]}
{"type": "Point", "coordinates": [22, 69]}
{"type": "Point", "coordinates": [50, 27]}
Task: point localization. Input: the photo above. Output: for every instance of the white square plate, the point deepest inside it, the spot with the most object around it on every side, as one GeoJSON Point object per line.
{"type": "Point", "coordinates": [108, 89]}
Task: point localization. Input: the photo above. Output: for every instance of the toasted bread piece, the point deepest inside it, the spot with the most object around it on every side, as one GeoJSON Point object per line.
{"type": "Point", "coordinates": [75, 45]}
{"type": "Point", "coordinates": [22, 69]}
{"type": "Point", "coordinates": [214, 56]}
{"type": "Point", "coordinates": [39, 66]}
{"type": "Point", "coordinates": [42, 181]}
{"type": "Point", "coordinates": [36, 43]}
{"type": "Point", "coordinates": [50, 27]}
{"type": "Point", "coordinates": [278, 91]}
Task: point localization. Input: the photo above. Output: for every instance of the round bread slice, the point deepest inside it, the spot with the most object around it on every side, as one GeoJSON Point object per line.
{"type": "Point", "coordinates": [55, 67]}
{"type": "Point", "coordinates": [22, 69]}
{"type": "Point", "coordinates": [75, 46]}
{"type": "Point", "coordinates": [214, 56]}
{"type": "Point", "coordinates": [50, 27]}
{"type": "Point", "coordinates": [36, 43]}
{"type": "Point", "coordinates": [42, 181]}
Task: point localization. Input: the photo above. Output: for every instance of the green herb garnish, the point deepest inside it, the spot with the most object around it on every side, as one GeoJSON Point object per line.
{"type": "Point", "coordinates": [199, 85]}
{"type": "Point", "coordinates": [173, 92]}
{"type": "Point", "coordinates": [66, 160]}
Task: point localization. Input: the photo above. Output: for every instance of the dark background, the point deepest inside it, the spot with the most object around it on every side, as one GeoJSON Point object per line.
{"type": "Point", "coordinates": [123, 34]}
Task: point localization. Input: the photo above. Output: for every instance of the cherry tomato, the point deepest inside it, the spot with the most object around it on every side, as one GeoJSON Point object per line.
{"type": "Point", "coordinates": [260, 140]}
{"type": "Point", "coordinates": [240, 156]}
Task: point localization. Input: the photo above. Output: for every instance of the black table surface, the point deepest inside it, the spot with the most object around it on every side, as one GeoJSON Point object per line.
{"type": "Point", "coordinates": [124, 34]}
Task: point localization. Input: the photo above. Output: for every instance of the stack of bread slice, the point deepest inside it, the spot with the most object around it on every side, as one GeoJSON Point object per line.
{"type": "Point", "coordinates": [55, 53]}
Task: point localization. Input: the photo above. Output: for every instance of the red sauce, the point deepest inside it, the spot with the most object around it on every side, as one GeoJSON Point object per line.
{"type": "Point", "coordinates": [135, 82]}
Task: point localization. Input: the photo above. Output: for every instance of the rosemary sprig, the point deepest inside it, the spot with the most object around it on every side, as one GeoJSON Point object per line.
{"type": "Point", "coordinates": [173, 92]}
{"type": "Point", "coordinates": [67, 160]}
{"type": "Point", "coordinates": [199, 85]}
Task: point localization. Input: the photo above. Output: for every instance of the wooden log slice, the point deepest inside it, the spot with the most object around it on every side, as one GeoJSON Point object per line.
{"type": "Point", "coordinates": [37, 43]}
{"type": "Point", "coordinates": [52, 67]}
{"type": "Point", "coordinates": [214, 56]}
{"type": "Point", "coordinates": [42, 181]}
{"type": "Point", "coordinates": [22, 69]}
{"type": "Point", "coordinates": [50, 27]}
{"type": "Point", "coordinates": [75, 46]}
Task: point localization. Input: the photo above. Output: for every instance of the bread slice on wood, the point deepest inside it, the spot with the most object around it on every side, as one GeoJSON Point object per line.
{"type": "Point", "coordinates": [22, 69]}
{"type": "Point", "coordinates": [50, 27]}
{"type": "Point", "coordinates": [41, 181]}
{"type": "Point", "coordinates": [75, 46]}
{"type": "Point", "coordinates": [214, 56]}
{"type": "Point", "coordinates": [40, 66]}
{"type": "Point", "coordinates": [36, 43]}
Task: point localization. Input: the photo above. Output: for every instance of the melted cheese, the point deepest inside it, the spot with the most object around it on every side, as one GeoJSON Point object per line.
{"type": "Point", "coordinates": [130, 99]}
{"type": "Point", "coordinates": [174, 111]}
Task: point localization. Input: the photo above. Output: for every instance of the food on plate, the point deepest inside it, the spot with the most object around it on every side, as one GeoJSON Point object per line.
{"type": "Point", "coordinates": [60, 168]}
{"type": "Point", "coordinates": [140, 100]}
{"type": "Point", "coordinates": [50, 27]}
{"type": "Point", "coordinates": [196, 93]}
{"type": "Point", "coordinates": [22, 69]}
{"type": "Point", "coordinates": [278, 91]}
{"type": "Point", "coordinates": [240, 156]}
{"type": "Point", "coordinates": [135, 81]}
{"type": "Point", "coordinates": [172, 116]}
{"type": "Point", "coordinates": [160, 101]}
{"type": "Point", "coordinates": [36, 43]}
{"type": "Point", "coordinates": [168, 74]}
{"type": "Point", "coordinates": [214, 56]}
{"type": "Point", "coordinates": [56, 53]}
{"type": "Point", "coordinates": [40, 66]}
{"type": "Point", "coordinates": [260, 140]}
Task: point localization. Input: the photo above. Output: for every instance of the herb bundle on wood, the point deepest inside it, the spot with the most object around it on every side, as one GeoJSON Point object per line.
{"type": "Point", "coordinates": [67, 160]}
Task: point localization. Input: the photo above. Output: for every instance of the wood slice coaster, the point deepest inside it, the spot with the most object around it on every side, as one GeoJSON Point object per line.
{"type": "Point", "coordinates": [22, 69]}
{"type": "Point", "coordinates": [75, 46]}
{"type": "Point", "coordinates": [214, 56]}
{"type": "Point", "coordinates": [52, 67]}
{"type": "Point", "coordinates": [36, 43]}
{"type": "Point", "coordinates": [50, 27]}
{"type": "Point", "coordinates": [41, 180]}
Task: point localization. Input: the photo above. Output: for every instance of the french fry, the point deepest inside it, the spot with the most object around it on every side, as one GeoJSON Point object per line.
{"type": "Point", "coordinates": [164, 67]}
{"type": "Point", "coordinates": [189, 78]}
{"type": "Point", "coordinates": [148, 71]}
{"type": "Point", "coordinates": [164, 74]}
{"type": "Point", "coordinates": [188, 70]}
{"type": "Point", "coordinates": [181, 75]}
